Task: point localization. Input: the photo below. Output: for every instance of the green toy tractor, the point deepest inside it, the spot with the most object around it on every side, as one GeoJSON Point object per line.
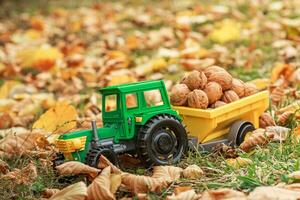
{"type": "Point", "coordinates": [137, 119]}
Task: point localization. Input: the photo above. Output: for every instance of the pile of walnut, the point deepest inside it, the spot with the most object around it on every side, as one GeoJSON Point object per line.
{"type": "Point", "coordinates": [211, 88]}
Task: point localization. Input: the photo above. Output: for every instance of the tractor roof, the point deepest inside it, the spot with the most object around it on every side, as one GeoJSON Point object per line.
{"type": "Point", "coordinates": [132, 87]}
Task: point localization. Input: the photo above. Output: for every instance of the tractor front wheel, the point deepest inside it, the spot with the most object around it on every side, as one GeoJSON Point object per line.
{"type": "Point", "coordinates": [161, 141]}
{"type": "Point", "coordinates": [93, 157]}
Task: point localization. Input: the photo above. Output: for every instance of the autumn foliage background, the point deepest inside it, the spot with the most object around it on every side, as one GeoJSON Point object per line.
{"type": "Point", "coordinates": [54, 56]}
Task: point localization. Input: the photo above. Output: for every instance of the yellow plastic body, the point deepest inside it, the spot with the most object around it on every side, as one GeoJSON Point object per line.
{"type": "Point", "coordinates": [210, 124]}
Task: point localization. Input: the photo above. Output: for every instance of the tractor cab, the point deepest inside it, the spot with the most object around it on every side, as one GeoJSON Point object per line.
{"type": "Point", "coordinates": [137, 119]}
{"type": "Point", "coordinates": [129, 105]}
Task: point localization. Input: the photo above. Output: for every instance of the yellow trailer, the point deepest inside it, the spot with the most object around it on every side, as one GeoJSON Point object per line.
{"type": "Point", "coordinates": [228, 123]}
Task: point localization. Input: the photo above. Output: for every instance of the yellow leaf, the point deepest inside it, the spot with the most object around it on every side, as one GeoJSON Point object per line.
{"type": "Point", "coordinates": [238, 162]}
{"type": "Point", "coordinates": [6, 88]}
{"type": "Point", "coordinates": [77, 191]}
{"type": "Point", "coordinates": [115, 182]}
{"type": "Point", "coordinates": [32, 34]}
{"type": "Point", "coordinates": [41, 58]}
{"type": "Point", "coordinates": [285, 70]}
{"type": "Point", "coordinates": [227, 30]}
{"type": "Point", "coordinates": [58, 119]}
{"type": "Point", "coordinates": [158, 64]}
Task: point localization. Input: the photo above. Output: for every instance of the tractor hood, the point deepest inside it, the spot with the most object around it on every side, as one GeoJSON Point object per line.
{"type": "Point", "coordinates": [103, 133]}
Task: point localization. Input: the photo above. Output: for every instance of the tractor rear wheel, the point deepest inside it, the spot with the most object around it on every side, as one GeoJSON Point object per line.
{"type": "Point", "coordinates": [92, 158]}
{"type": "Point", "coordinates": [161, 141]}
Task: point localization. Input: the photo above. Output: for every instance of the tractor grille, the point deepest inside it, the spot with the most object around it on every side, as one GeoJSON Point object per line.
{"type": "Point", "coordinates": [71, 145]}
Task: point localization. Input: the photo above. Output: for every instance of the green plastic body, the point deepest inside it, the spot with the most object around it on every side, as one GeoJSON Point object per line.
{"type": "Point", "coordinates": [122, 124]}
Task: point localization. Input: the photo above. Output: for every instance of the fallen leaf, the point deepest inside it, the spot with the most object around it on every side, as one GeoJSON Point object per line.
{"type": "Point", "coordinates": [272, 193]}
{"type": "Point", "coordinates": [227, 30]}
{"type": "Point", "coordinates": [6, 121]}
{"type": "Point", "coordinates": [13, 145]}
{"type": "Point", "coordinates": [6, 88]}
{"type": "Point", "coordinates": [223, 194]}
{"type": "Point", "coordinates": [295, 175]}
{"type": "Point", "coordinates": [104, 162]}
{"type": "Point", "coordinates": [22, 176]}
{"type": "Point", "coordinates": [47, 193]}
{"type": "Point", "coordinates": [285, 70]}
{"type": "Point", "coordinates": [280, 133]}
{"type": "Point", "coordinates": [144, 184]}
{"type": "Point", "coordinates": [167, 172]}
{"type": "Point", "coordinates": [77, 191]}
{"type": "Point", "coordinates": [193, 172]}
{"type": "Point", "coordinates": [259, 137]}
{"type": "Point", "coordinates": [238, 162]}
{"type": "Point", "coordinates": [58, 119]}
{"type": "Point", "coordinates": [186, 195]}
{"type": "Point", "coordinates": [4, 168]}
{"type": "Point", "coordinates": [100, 188]}
{"type": "Point", "coordinates": [75, 167]}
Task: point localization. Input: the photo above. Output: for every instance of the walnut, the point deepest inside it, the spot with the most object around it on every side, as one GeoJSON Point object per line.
{"type": "Point", "coordinates": [195, 80]}
{"type": "Point", "coordinates": [219, 75]}
{"type": "Point", "coordinates": [179, 95]}
{"type": "Point", "coordinates": [265, 120]}
{"type": "Point", "coordinates": [218, 104]}
{"type": "Point", "coordinates": [213, 91]}
{"type": "Point", "coordinates": [250, 88]}
{"type": "Point", "coordinates": [238, 86]}
{"type": "Point", "coordinates": [230, 96]}
{"type": "Point", "coordinates": [197, 99]}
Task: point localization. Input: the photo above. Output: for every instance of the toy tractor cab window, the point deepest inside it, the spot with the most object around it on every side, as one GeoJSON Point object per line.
{"type": "Point", "coordinates": [131, 100]}
{"type": "Point", "coordinates": [111, 103]}
{"type": "Point", "coordinates": [153, 98]}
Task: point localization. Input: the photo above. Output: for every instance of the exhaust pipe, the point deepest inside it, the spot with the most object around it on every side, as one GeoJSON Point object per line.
{"type": "Point", "coordinates": [95, 140]}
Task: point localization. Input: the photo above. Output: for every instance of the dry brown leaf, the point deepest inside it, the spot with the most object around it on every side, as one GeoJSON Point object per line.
{"type": "Point", "coordinates": [272, 193]}
{"type": "Point", "coordinates": [295, 175]}
{"type": "Point", "coordinates": [22, 176]}
{"type": "Point", "coordinates": [193, 172]}
{"type": "Point", "coordinates": [100, 188]}
{"type": "Point", "coordinates": [20, 143]}
{"type": "Point", "coordinates": [266, 120]}
{"type": "Point", "coordinates": [277, 95]}
{"type": "Point", "coordinates": [58, 119]}
{"type": "Point", "coordinates": [77, 191]}
{"type": "Point", "coordinates": [259, 137]}
{"type": "Point", "coordinates": [238, 162]}
{"type": "Point", "coordinates": [186, 195]}
{"type": "Point", "coordinates": [143, 184]}
{"type": "Point", "coordinates": [49, 192]}
{"type": "Point", "coordinates": [167, 172]}
{"type": "Point", "coordinates": [104, 162]}
{"type": "Point", "coordinates": [75, 167]}
{"type": "Point", "coordinates": [280, 133]}
{"type": "Point", "coordinates": [223, 194]}
{"type": "Point", "coordinates": [4, 168]}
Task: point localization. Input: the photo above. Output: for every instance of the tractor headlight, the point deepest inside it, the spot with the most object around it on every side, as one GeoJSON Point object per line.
{"type": "Point", "coordinates": [71, 145]}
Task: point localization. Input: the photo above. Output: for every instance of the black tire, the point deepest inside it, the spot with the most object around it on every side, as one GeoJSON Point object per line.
{"type": "Point", "coordinates": [92, 158]}
{"type": "Point", "coordinates": [162, 141]}
{"type": "Point", "coordinates": [238, 131]}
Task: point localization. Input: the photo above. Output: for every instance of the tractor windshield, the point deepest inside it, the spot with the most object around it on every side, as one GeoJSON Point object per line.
{"type": "Point", "coordinates": [111, 103]}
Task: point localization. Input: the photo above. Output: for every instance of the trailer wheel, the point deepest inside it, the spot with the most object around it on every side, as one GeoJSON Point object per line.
{"type": "Point", "coordinates": [92, 158]}
{"type": "Point", "coordinates": [238, 132]}
{"type": "Point", "coordinates": [58, 160]}
{"type": "Point", "coordinates": [161, 141]}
